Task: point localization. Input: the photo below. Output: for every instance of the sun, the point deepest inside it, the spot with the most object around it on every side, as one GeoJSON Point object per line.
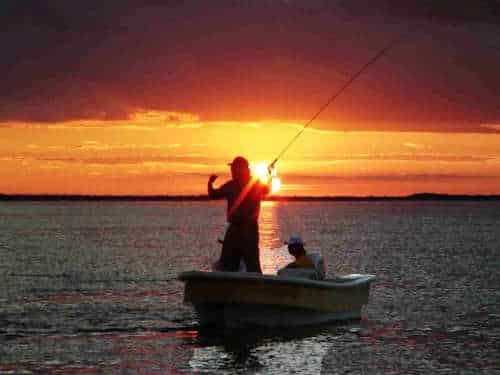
{"type": "Point", "coordinates": [275, 184]}
{"type": "Point", "coordinates": [259, 170]}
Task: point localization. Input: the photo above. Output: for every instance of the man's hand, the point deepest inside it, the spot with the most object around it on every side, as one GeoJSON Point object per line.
{"type": "Point", "coordinates": [270, 168]}
{"type": "Point", "coordinates": [212, 178]}
{"type": "Point", "coordinates": [214, 193]}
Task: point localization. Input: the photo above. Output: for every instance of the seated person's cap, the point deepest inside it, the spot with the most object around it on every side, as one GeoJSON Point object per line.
{"type": "Point", "coordinates": [239, 161]}
{"type": "Point", "coordinates": [295, 240]}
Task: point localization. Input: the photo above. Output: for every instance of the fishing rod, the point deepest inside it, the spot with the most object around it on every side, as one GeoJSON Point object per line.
{"type": "Point", "coordinates": [335, 95]}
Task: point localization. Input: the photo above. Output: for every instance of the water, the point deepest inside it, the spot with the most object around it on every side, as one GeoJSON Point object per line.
{"type": "Point", "coordinates": [91, 288]}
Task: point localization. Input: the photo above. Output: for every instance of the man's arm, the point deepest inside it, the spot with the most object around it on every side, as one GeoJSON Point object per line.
{"type": "Point", "coordinates": [214, 193]}
{"type": "Point", "coordinates": [267, 188]}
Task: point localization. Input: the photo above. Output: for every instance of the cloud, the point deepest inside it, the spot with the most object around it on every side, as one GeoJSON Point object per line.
{"type": "Point", "coordinates": [51, 166]}
{"type": "Point", "coordinates": [70, 61]}
{"type": "Point", "coordinates": [185, 126]}
{"type": "Point", "coordinates": [195, 160]}
{"type": "Point", "coordinates": [431, 177]}
{"type": "Point", "coordinates": [232, 124]}
{"type": "Point", "coordinates": [94, 145]}
{"type": "Point", "coordinates": [14, 158]}
{"type": "Point", "coordinates": [300, 187]}
{"type": "Point", "coordinates": [413, 145]}
{"type": "Point", "coordinates": [163, 117]}
{"type": "Point", "coordinates": [77, 125]}
{"type": "Point", "coordinates": [139, 120]}
{"type": "Point", "coordinates": [148, 161]}
{"type": "Point", "coordinates": [436, 157]}
{"type": "Point", "coordinates": [142, 121]}
{"type": "Point", "coordinates": [491, 126]}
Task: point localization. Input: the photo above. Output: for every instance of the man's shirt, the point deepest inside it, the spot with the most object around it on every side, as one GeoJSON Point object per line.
{"type": "Point", "coordinates": [243, 201]}
{"type": "Point", "coordinates": [302, 261]}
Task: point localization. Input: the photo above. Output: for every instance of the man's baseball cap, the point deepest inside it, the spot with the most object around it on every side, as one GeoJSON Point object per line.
{"type": "Point", "coordinates": [239, 161]}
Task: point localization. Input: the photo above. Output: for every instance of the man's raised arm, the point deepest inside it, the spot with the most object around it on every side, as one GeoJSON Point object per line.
{"type": "Point", "coordinates": [214, 193]}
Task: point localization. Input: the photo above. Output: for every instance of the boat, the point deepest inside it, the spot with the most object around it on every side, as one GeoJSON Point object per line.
{"type": "Point", "coordinates": [235, 299]}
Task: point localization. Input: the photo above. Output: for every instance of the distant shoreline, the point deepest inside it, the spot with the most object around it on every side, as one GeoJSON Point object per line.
{"type": "Point", "coordinates": [196, 198]}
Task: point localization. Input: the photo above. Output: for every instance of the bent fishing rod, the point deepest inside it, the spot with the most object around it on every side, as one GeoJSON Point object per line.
{"type": "Point", "coordinates": [335, 95]}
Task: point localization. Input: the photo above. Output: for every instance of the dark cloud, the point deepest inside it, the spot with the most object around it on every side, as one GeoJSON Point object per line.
{"type": "Point", "coordinates": [248, 60]}
{"type": "Point", "coordinates": [438, 11]}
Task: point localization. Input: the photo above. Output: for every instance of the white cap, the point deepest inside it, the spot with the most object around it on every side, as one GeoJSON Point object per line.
{"type": "Point", "coordinates": [295, 240]}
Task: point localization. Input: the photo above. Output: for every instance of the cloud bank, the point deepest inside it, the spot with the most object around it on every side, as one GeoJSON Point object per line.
{"type": "Point", "coordinates": [253, 60]}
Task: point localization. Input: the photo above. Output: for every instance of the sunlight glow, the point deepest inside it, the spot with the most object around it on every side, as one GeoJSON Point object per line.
{"type": "Point", "coordinates": [160, 156]}
{"type": "Point", "coordinates": [275, 184]}
{"type": "Point", "coordinates": [259, 170]}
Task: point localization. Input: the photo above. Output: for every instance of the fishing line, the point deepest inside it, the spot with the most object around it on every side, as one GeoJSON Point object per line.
{"type": "Point", "coordinates": [334, 96]}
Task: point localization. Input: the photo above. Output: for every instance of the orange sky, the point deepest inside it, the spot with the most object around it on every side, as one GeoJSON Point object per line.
{"type": "Point", "coordinates": [151, 97]}
{"type": "Point", "coordinates": [173, 153]}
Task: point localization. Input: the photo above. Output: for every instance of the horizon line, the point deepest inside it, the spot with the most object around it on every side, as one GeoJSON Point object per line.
{"type": "Point", "coordinates": [204, 197]}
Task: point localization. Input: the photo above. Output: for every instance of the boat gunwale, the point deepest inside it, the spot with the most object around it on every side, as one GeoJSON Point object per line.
{"type": "Point", "coordinates": [348, 281]}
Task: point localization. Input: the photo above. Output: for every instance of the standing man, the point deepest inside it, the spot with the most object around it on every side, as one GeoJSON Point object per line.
{"type": "Point", "coordinates": [244, 194]}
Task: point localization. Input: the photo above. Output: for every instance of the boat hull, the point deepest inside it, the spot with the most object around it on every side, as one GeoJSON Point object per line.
{"type": "Point", "coordinates": [234, 298]}
{"type": "Point", "coordinates": [238, 315]}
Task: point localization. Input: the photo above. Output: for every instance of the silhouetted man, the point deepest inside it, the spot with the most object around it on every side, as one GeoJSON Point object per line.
{"type": "Point", "coordinates": [244, 194]}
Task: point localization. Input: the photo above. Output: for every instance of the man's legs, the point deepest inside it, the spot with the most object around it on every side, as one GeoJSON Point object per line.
{"type": "Point", "coordinates": [231, 253]}
{"type": "Point", "coordinates": [250, 247]}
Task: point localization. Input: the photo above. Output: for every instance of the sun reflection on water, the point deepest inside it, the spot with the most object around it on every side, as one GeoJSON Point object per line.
{"type": "Point", "coordinates": [273, 254]}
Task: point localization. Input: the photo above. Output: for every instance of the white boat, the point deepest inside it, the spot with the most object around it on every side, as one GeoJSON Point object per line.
{"type": "Point", "coordinates": [243, 298]}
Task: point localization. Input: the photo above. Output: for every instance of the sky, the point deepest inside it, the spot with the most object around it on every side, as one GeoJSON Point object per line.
{"type": "Point", "coordinates": [151, 97]}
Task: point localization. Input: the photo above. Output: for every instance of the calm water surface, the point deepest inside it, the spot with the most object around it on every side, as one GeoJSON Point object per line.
{"type": "Point", "coordinates": [91, 288]}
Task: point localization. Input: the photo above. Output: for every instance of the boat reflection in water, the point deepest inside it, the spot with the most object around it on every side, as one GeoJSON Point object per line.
{"type": "Point", "coordinates": [274, 351]}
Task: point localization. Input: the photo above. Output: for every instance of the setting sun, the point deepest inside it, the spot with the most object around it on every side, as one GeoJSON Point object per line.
{"type": "Point", "coordinates": [275, 184]}
{"type": "Point", "coordinates": [259, 170]}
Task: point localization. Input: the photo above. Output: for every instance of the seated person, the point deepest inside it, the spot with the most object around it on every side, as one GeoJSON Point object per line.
{"type": "Point", "coordinates": [308, 266]}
